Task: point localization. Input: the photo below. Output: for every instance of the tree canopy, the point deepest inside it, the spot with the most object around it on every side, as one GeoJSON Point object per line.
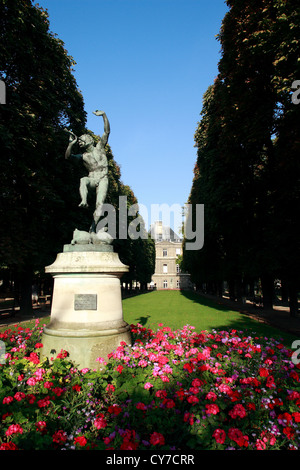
{"type": "Point", "coordinates": [247, 169]}
{"type": "Point", "coordinates": [39, 188]}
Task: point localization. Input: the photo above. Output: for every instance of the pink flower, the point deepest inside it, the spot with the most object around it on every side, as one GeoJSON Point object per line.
{"type": "Point", "coordinates": [14, 429]}
{"type": "Point", "coordinates": [101, 361]}
{"type": "Point", "coordinates": [147, 385]}
{"type": "Point", "coordinates": [100, 422]}
{"type": "Point", "coordinates": [31, 381]}
{"type": "Point", "coordinates": [260, 445]}
{"type": "Point", "coordinates": [142, 363]}
{"type": "Point", "coordinates": [211, 396]}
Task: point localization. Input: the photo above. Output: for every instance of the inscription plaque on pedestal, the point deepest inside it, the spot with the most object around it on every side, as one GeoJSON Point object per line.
{"type": "Point", "coordinates": [85, 302]}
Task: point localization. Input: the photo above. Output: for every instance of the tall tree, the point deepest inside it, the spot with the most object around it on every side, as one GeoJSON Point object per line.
{"type": "Point", "coordinates": [42, 98]}
{"type": "Point", "coordinates": [250, 201]}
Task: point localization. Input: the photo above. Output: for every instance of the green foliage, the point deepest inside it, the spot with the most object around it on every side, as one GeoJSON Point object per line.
{"type": "Point", "coordinates": [39, 189]}
{"type": "Point", "coordinates": [247, 169]}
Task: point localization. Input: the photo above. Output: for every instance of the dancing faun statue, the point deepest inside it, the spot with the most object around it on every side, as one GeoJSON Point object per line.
{"type": "Point", "coordinates": [95, 161]}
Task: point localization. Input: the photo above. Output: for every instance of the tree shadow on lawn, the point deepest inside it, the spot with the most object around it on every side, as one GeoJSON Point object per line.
{"type": "Point", "coordinates": [199, 299]}
{"type": "Point", "coordinates": [143, 320]}
{"type": "Point", "coordinates": [242, 321]}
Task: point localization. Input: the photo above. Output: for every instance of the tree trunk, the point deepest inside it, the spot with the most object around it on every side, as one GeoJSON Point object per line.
{"type": "Point", "coordinates": [284, 291]}
{"type": "Point", "coordinates": [231, 288]}
{"type": "Point", "coordinates": [25, 283]}
{"type": "Point", "coordinates": [267, 284]}
{"type": "Point", "coordinates": [293, 297]}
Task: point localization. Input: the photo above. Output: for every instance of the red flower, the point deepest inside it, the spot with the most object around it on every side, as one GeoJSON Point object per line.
{"type": "Point", "coordinates": [76, 387]}
{"type": "Point", "coordinates": [237, 411]}
{"type": "Point", "coordinates": [8, 446]}
{"type": "Point", "coordinates": [59, 437]}
{"type": "Point", "coordinates": [100, 422]}
{"type": "Point", "coordinates": [19, 396]}
{"type": "Point", "coordinates": [188, 417]}
{"type": "Point", "coordinates": [237, 436]}
{"type": "Point", "coordinates": [192, 399]}
{"type": "Point", "coordinates": [129, 440]}
{"type": "Point", "coordinates": [219, 435]}
{"type": "Point", "coordinates": [169, 403]}
{"type": "Point", "coordinates": [80, 440]}
{"type": "Point", "coordinates": [189, 367]}
{"type": "Point", "coordinates": [40, 426]}
{"type": "Point", "coordinates": [31, 398]}
{"type": "Point", "coordinates": [296, 416]}
{"type": "Point", "coordinates": [114, 410]}
{"type": "Point", "coordinates": [212, 409]}
{"type": "Point", "coordinates": [161, 394]}
{"type": "Point", "coordinates": [119, 369]}
{"type": "Point", "coordinates": [48, 384]}
{"type": "Point", "coordinates": [250, 406]}
{"type": "Point", "coordinates": [270, 382]}
{"type": "Point", "coordinates": [33, 357]}
{"type": "Point", "coordinates": [157, 439]}
{"type": "Point", "coordinates": [7, 400]}
{"type": "Point", "coordinates": [141, 406]}
{"type": "Point", "coordinates": [263, 372]}
{"type": "Point", "coordinates": [43, 402]}
{"type": "Point", "coordinates": [289, 432]}
{"type": "Point", "coordinates": [62, 354]}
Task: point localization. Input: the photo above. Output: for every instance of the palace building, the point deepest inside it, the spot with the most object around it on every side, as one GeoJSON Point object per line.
{"type": "Point", "coordinates": [168, 246]}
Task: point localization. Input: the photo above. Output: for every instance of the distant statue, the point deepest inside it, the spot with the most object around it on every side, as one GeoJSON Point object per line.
{"type": "Point", "coordinates": [94, 159]}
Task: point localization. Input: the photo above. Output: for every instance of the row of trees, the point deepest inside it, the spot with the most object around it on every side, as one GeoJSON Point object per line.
{"type": "Point", "coordinates": [247, 168]}
{"type": "Point", "coordinates": [39, 188]}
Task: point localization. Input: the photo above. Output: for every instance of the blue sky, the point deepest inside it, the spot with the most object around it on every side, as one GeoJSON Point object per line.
{"type": "Point", "coordinates": [146, 63]}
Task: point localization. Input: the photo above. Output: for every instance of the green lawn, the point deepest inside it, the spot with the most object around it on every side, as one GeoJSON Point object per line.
{"type": "Point", "coordinates": [176, 309]}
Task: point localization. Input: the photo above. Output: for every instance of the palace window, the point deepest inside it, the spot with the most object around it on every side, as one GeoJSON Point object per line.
{"type": "Point", "coordinates": [165, 284]}
{"type": "Point", "coordinates": [165, 268]}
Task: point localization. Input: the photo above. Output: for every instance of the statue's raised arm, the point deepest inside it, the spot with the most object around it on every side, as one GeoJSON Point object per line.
{"type": "Point", "coordinates": [72, 140]}
{"type": "Point", "coordinates": [106, 133]}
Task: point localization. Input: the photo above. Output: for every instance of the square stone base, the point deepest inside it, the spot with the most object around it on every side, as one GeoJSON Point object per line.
{"type": "Point", "coordinates": [86, 313]}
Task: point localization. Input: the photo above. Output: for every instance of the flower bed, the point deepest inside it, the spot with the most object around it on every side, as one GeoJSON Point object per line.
{"type": "Point", "coordinates": [177, 390]}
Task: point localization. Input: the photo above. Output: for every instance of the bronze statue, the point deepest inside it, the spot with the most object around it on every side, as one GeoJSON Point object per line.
{"type": "Point", "coordinates": [95, 161]}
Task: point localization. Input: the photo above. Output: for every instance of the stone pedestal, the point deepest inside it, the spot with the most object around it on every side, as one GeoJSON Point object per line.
{"type": "Point", "coordinates": [86, 314]}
